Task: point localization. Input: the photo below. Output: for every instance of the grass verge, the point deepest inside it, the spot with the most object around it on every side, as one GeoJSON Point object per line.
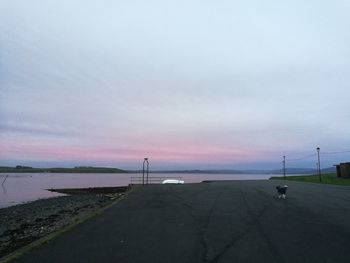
{"type": "Point", "coordinates": [329, 178]}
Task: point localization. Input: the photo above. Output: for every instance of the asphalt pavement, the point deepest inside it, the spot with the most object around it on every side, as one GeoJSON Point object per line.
{"type": "Point", "coordinates": [236, 221]}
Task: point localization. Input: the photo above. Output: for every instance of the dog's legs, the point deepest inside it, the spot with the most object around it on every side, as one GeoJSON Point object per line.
{"type": "Point", "coordinates": [284, 196]}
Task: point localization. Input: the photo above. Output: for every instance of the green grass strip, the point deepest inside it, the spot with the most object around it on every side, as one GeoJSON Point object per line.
{"type": "Point", "coordinates": [329, 178]}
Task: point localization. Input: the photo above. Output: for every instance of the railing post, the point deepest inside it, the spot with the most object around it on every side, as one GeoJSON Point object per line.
{"type": "Point", "coordinates": [143, 171]}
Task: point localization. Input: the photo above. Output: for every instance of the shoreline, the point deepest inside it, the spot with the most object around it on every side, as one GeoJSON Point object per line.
{"type": "Point", "coordinates": [23, 224]}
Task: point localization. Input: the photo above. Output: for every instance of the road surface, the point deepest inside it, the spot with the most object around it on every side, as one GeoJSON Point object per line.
{"type": "Point", "coordinates": [236, 221]}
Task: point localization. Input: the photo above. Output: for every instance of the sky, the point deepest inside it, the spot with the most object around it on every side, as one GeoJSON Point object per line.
{"type": "Point", "coordinates": [188, 84]}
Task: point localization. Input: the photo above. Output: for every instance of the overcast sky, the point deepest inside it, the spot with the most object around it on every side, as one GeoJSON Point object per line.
{"type": "Point", "coordinates": [189, 84]}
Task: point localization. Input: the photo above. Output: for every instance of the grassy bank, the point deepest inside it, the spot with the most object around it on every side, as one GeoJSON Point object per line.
{"type": "Point", "coordinates": [329, 178]}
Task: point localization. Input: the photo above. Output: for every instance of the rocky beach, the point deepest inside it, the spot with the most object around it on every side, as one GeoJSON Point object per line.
{"type": "Point", "coordinates": [23, 224]}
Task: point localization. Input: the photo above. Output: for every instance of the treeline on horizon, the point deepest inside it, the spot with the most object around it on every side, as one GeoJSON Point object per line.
{"type": "Point", "coordinates": [77, 169]}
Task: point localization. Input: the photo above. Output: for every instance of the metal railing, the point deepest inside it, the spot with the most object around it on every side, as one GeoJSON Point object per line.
{"type": "Point", "coordinates": [151, 179]}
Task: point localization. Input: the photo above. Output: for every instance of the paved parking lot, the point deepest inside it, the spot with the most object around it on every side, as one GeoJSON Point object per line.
{"type": "Point", "coordinates": [236, 221]}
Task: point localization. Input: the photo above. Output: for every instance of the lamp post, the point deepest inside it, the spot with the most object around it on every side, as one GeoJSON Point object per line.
{"type": "Point", "coordinates": [318, 163]}
{"type": "Point", "coordinates": [284, 167]}
{"type": "Point", "coordinates": [145, 161]}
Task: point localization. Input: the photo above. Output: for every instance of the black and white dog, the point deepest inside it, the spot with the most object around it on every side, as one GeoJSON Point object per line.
{"type": "Point", "coordinates": [282, 190]}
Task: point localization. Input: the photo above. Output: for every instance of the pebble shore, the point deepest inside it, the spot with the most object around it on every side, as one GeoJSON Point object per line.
{"type": "Point", "coordinates": [22, 224]}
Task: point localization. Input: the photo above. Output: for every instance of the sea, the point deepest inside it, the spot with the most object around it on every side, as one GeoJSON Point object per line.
{"type": "Point", "coordinates": [18, 188]}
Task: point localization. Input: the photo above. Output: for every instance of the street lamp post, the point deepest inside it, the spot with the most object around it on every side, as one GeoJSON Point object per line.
{"type": "Point", "coordinates": [319, 164]}
{"type": "Point", "coordinates": [284, 167]}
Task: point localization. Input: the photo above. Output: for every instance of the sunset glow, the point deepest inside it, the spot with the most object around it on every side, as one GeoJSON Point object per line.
{"type": "Point", "coordinates": [190, 85]}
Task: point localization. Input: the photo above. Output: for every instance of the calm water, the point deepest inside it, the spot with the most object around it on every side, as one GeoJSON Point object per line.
{"type": "Point", "coordinates": [23, 187]}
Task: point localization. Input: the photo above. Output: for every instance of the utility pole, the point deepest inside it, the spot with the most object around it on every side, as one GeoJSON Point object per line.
{"type": "Point", "coordinates": [284, 167]}
{"type": "Point", "coordinates": [319, 164]}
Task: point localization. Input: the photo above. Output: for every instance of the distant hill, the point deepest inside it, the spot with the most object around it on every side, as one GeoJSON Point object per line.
{"type": "Point", "coordinates": [209, 171]}
{"type": "Point", "coordinates": [195, 171]}
{"type": "Point", "coordinates": [216, 171]}
{"type": "Point", "coordinates": [91, 169]}
{"type": "Point", "coordinates": [78, 169]}
{"type": "Point", "coordinates": [303, 171]}
{"type": "Point", "coordinates": [329, 170]}
{"type": "Point", "coordinates": [230, 171]}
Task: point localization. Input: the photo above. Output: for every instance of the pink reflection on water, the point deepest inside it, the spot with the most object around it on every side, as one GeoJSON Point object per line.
{"type": "Point", "coordinates": [25, 187]}
{"type": "Point", "coordinates": [21, 187]}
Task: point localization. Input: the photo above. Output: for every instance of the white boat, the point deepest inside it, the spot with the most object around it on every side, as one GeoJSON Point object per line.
{"type": "Point", "coordinates": [173, 181]}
